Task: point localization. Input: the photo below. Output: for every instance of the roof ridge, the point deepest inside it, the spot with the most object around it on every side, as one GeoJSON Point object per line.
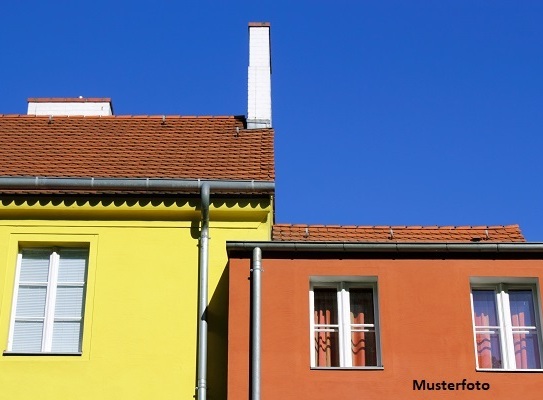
{"type": "Point", "coordinates": [124, 116]}
{"type": "Point", "coordinates": [286, 225]}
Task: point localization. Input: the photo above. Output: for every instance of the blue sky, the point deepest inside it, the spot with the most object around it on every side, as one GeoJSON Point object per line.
{"type": "Point", "coordinates": [386, 112]}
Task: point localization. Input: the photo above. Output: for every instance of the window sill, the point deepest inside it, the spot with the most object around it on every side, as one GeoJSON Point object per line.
{"type": "Point", "coordinates": [40, 354]}
{"type": "Point", "coordinates": [509, 370]}
{"type": "Point", "coordinates": [347, 368]}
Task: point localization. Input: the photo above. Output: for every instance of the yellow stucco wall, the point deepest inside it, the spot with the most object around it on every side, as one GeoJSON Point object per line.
{"type": "Point", "coordinates": [140, 324]}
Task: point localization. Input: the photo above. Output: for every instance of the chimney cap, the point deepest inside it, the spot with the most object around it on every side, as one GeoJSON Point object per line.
{"type": "Point", "coordinates": [259, 24]}
{"type": "Point", "coordinates": [79, 99]}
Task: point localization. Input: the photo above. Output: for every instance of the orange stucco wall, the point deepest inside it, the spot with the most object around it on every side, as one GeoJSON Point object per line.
{"type": "Point", "coordinates": [426, 330]}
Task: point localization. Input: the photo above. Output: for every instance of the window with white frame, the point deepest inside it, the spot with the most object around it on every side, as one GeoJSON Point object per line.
{"type": "Point", "coordinates": [506, 326]}
{"type": "Point", "coordinates": [344, 325]}
{"type": "Point", "coordinates": [48, 301]}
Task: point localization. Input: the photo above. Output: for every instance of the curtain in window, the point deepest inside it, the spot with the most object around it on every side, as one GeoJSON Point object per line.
{"type": "Point", "coordinates": [484, 344]}
{"type": "Point", "coordinates": [519, 341]}
{"type": "Point", "coordinates": [523, 323]}
{"type": "Point", "coordinates": [363, 345]}
{"type": "Point", "coordinates": [487, 336]}
{"type": "Point", "coordinates": [326, 331]}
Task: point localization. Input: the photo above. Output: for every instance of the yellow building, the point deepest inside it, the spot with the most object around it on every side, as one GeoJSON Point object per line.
{"type": "Point", "coordinates": [113, 271]}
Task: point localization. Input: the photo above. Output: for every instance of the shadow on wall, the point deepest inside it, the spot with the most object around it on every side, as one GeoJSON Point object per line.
{"type": "Point", "coordinates": [139, 200]}
{"type": "Point", "coordinates": [217, 353]}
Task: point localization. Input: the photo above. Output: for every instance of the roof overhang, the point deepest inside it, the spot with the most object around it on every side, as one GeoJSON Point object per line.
{"type": "Point", "coordinates": [391, 249]}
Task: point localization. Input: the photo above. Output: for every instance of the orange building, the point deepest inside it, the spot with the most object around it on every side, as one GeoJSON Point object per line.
{"type": "Point", "coordinates": [385, 313]}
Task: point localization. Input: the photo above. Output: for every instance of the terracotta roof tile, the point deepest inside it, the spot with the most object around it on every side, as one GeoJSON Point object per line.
{"type": "Point", "coordinates": [335, 233]}
{"type": "Point", "coordinates": [135, 147]}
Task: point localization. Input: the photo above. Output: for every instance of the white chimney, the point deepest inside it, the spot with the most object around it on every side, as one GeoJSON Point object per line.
{"type": "Point", "coordinates": [70, 106]}
{"type": "Point", "coordinates": [259, 86]}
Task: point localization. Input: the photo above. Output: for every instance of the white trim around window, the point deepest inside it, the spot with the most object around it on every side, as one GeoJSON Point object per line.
{"type": "Point", "coordinates": [344, 324]}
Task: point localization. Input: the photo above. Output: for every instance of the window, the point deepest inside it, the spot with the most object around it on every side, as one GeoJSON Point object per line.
{"type": "Point", "coordinates": [506, 326]}
{"type": "Point", "coordinates": [48, 303]}
{"type": "Point", "coordinates": [344, 326]}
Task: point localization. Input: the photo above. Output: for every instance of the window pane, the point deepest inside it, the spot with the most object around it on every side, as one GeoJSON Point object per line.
{"type": "Point", "coordinates": [488, 350]}
{"type": "Point", "coordinates": [35, 266]}
{"type": "Point", "coordinates": [526, 350]}
{"type": "Point", "coordinates": [364, 349]}
{"type": "Point", "coordinates": [59, 288]}
{"type": "Point", "coordinates": [66, 336]}
{"type": "Point", "coordinates": [325, 306]}
{"type": "Point", "coordinates": [31, 301]}
{"type": "Point", "coordinates": [521, 303]}
{"type": "Point", "coordinates": [326, 349]}
{"type": "Point", "coordinates": [72, 265]}
{"type": "Point", "coordinates": [484, 308]}
{"type": "Point", "coordinates": [27, 336]}
{"type": "Point", "coordinates": [69, 302]}
{"type": "Point", "coordinates": [361, 300]}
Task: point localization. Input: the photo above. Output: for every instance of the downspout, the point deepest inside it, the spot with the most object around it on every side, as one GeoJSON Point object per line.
{"type": "Point", "coordinates": [203, 269]}
{"type": "Point", "coordinates": [256, 323]}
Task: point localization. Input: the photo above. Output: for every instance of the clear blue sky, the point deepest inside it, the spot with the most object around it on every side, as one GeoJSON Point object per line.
{"type": "Point", "coordinates": [386, 112]}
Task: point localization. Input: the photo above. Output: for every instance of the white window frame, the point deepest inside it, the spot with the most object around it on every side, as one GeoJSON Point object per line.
{"type": "Point", "coordinates": [345, 328]}
{"type": "Point", "coordinates": [50, 302]}
{"type": "Point", "coordinates": [501, 290]}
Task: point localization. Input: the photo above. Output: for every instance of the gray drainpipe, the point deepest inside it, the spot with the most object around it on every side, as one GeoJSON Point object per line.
{"type": "Point", "coordinates": [154, 184]}
{"type": "Point", "coordinates": [203, 269]}
{"type": "Point", "coordinates": [256, 323]}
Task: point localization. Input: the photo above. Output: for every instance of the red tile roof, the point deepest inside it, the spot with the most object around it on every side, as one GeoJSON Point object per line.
{"type": "Point", "coordinates": [135, 147]}
{"type": "Point", "coordinates": [336, 233]}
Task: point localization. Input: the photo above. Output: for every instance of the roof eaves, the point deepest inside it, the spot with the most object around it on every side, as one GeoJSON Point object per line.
{"type": "Point", "coordinates": [132, 184]}
{"type": "Point", "coordinates": [403, 247]}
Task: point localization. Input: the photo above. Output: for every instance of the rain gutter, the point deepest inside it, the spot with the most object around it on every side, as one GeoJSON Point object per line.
{"type": "Point", "coordinates": [34, 183]}
{"type": "Point", "coordinates": [381, 247]}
